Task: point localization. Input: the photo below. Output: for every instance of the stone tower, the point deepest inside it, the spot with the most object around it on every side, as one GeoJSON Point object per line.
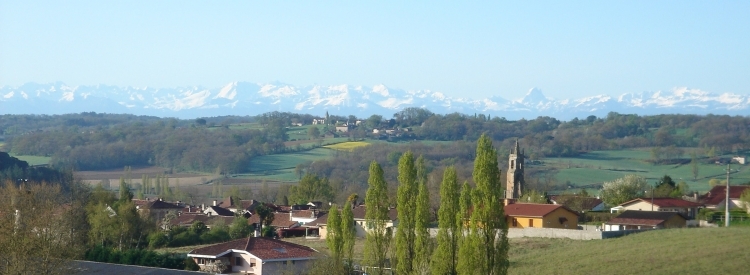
{"type": "Point", "coordinates": [514, 183]}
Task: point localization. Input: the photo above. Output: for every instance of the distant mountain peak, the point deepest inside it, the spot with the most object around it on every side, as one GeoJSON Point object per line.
{"type": "Point", "coordinates": [247, 98]}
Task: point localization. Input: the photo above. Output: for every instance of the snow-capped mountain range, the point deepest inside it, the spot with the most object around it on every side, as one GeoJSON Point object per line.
{"type": "Point", "coordinates": [245, 98]}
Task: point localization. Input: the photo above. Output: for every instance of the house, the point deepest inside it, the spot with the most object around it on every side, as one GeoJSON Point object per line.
{"type": "Point", "coordinates": [687, 208]}
{"type": "Point", "coordinates": [361, 225]}
{"type": "Point", "coordinates": [318, 226]}
{"type": "Point", "coordinates": [578, 203]}
{"type": "Point", "coordinates": [527, 215]}
{"type": "Point", "coordinates": [254, 255]}
{"type": "Point", "coordinates": [304, 216]}
{"type": "Point", "coordinates": [317, 121]}
{"type": "Point", "coordinates": [343, 128]}
{"type": "Point", "coordinates": [715, 198]}
{"type": "Point", "coordinates": [158, 208]}
{"type": "Point", "coordinates": [635, 220]}
{"type": "Point", "coordinates": [281, 220]}
{"type": "Point", "coordinates": [739, 159]}
{"type": "Point", "coordinates": [218, 211]}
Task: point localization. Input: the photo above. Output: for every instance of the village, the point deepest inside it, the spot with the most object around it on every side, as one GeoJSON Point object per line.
{"type": "Point", "coordinates": [560, 216]}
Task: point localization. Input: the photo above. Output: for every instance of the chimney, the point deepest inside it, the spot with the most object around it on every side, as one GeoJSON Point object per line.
{"type": "Point", "coordinates": [214, 202]}
{"type": "Point", "coordinates": [255, 233]}
{"type": "Point", "coordinates": [695, 196]}
{"type": "Point", "coordinates": [203, 206]}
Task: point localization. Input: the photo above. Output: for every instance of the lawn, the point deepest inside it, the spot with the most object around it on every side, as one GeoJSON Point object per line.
{"type": "Point", "coordinates": [674, 251]}
{"type": "Point", "coordinates": [599, 166]}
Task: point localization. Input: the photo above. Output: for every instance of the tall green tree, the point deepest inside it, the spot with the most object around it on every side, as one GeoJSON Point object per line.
{"type": "Point", "coordinates": [125, 193]}
{"type": "Point", "coordinates": [239, 228]}
{"type": "Point", "coordinates": [444, 259]}
{"type": "Point", "coordinates": [422, 241]}
{"type": "Point", "coordinates": [311, 188]}
{"type": "Point", "coordinates": [348, 231]}
{"type": "Point", "coordinates": [378, 237]}
{"type": "Point", "coordinates": [334, 236]}
{"type": "Point", "coordinates": [694, 165]}
{"type": "Point", "coordinates": [407, 191]}
{"type": "Point", "coordinates": [487, 217]}
{"type": "Point", "coordinates": [467, 256]}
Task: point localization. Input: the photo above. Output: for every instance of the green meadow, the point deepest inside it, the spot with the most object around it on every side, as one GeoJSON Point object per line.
{"type": "Point", "coordinates": [599, 166]}
{"type": "Point", "coordinates": [280, 167]}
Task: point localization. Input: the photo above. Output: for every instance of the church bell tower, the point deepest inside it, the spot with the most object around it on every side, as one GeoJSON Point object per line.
{"type": "Point", "coordinates": [514, 183]}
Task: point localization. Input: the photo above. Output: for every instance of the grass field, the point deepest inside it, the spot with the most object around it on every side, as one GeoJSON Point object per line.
{"type": "Point", "coordinates": [280, 167]}
{"type": "Point", "coordinates": [674, 251]}
{"type": "Point", "coordinates": [347, 146]}
{"type": "Point", "coordinates": [600, 166]}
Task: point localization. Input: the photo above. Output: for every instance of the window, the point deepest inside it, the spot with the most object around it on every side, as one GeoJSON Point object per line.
{"type": "Point", "coordinates": [515, 222]}
{"type": "Point", "coordinates": [238, 261]}
{"type": "Point", "coordinates": [252, 264]}
{"type": "Point", "coordinates": [512, 164]}
{"type": "Point", "coordinates": [531, 222]}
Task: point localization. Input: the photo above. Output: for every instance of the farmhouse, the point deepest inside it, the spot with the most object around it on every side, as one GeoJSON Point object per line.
{"type": "Point", "coordinates": [254, 255]}
{"type": "Point", "coordinates": [686, 208]}
{"type": "Point", "coordinates": [634, 220]}
{"type": "Point", "coordinates": [716, 197]}
{"type": "Point", "coordinates": [532, 215]}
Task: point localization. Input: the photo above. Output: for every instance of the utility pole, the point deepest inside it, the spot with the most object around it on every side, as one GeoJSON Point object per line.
{"type": "Point", "coordinates": [726, 207]}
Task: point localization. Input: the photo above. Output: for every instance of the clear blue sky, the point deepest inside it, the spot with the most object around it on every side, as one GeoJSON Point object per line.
{"type": "Point", "coordinates": [476, 49]}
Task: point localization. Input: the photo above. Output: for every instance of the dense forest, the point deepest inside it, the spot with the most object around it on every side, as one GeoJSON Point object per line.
{"type": "Point", "coordinates": [91, 141]}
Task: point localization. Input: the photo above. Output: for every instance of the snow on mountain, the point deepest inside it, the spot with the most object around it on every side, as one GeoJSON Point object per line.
{"type": "Point", "coordinates": [245, 98]}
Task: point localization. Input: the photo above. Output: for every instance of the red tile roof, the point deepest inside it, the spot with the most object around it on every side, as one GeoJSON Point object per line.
{"type": "Point", "coordinates": [359, 213]}
{"type": "Point", "coordinates": [263, 248]}
{"type": "Point", "coordinates": [280, 220]}
{"type": "Point", "coordinates": [532, 209]}
{"type": "Point", "coordinates": [645, 218]}
{"type": "Point", "coordinates": [305, 214]}
{"type": "Point", "coordinates": [322, 219]}
{"type": "Point", "coordinates": [719, 193]}
{"type": "Point", "coordinates": [665, 202]}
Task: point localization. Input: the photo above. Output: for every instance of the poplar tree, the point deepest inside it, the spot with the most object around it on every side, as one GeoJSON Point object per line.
{"type": "Point", "coordinates": [445, 258]}
{"type": "Point", "coordinates": [376, 214]}
{"type": "Point", "coordinates": [334, 236]}
{"type": "Point", "coordinates": [125, 194]}
{"type": "Point", "coordinates": [422, 244]}
{"type": "Point", "coordinates": [405, 236]}
{"type": "Point", "coordinates": [467, 258]}
{"type": "Point", "coordinates": [487, 216]}
{"type": "Point", "coordinates": [348, 231]}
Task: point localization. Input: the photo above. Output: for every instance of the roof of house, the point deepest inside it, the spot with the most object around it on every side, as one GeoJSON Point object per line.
{"type": "Point", "coordinates": [160, 204]}
{"type": "Point", "coordinates": [263, 248]}
{"type": "Point", "coordinates": [359, 213]}
{"type": "Point", "coordinates": [322, 219]}
{"type": "Point", "coordinates": [719, 192]}
{"type": "Point", "coordinates": [586, 203]}
{"type": "Point", "coordinates": [305, 214]}
{"type": "Point", "coordinates": [664, 202]}
{"type": "Point", "coordinates": [532, 209]}
{"type": "Point", "coordinates": [648, 218]}
{"type": "Point", "coordinates": [280, 220]}
{"type": "Point", "coordinates": [221, 211]}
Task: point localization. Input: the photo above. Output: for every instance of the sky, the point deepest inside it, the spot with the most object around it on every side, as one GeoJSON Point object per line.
{"type": "Point", "coordinates": [461, 48]}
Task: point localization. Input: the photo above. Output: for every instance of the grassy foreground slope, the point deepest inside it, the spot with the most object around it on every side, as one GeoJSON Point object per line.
{"type": "Point", "coordinates": [674, 251]}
